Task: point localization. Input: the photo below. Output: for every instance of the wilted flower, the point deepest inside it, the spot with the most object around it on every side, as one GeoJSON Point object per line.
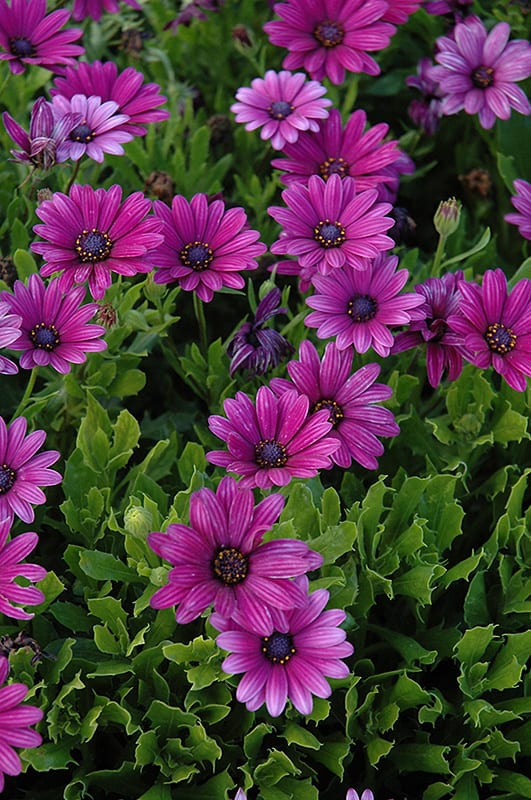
{"type": "Point", "coordinates": [425, 112]}
{"type": "Point", "coordinates": [256, 348]}
{"type": "Point", "coordinates": [46, 134]}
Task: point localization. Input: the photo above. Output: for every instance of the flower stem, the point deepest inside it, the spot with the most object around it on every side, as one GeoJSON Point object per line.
{"type": "Point", "coordinates": [27, 394]}
{"type": "Point", "coordinates": [199, 311]}
{"type": "Point", "coordinates": [438, 256]}
{"type": "Point", "coordinates": [73, 176]}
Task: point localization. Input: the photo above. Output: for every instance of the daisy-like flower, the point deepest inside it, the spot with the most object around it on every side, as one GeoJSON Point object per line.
{"type": "Point", "coordinates": [496, 326]}
{"type": "Point", "coordinates": [22, 471]}
{"type": "Point", "coordinates": [365, 795]}
{"type": "Point", "coordinates": [290, 661]}
{"type": "Point", "coordinates": [46, 134]}
{"type": "Point", "coordinates": [15, 721]}
{"type": "Point", "coordinates": [54, 329]}
{"type": "Point", "coordinates": [327, 37]}
{"type": "Point", "coordinates": [138, 101]}
{"type": "Point", "coordinates": [95, 8]}
{"type": "Point", "coordinates": [477, 71]}
{"type": "Point", "coordinates": [11, 553]}
{"type": "Point", "coordinates": [28, 36]}
{"type": "Point", "coordinates": [221, 560]}
{"type": "Point", "coordinates": [274, 441]}
{"type": "Point", "coordinates": [98, 132]}
{"type": "Point", "coordinates": [349, 399]}
{"type": "Point", "coordinates": [204, 246]}
{"type": "Point", "coordinates": [359, 306]}
{"type": "Point", "coordinates": [327, 224]}
{"type": "Point", "coordinates": [522, 202]}
{"type": "Point", "coordinates": [425, 112]}
{"type": "Point", "coordinates": [459, 8]}
{"type": "Point", "coordinates": [9, 333]}
{"type": "Point", "coordinates": [399, 12]}
{"type": "Point", "coordinates": [90, 234]}
{"type": "Point", "coordinates": [282, 105]}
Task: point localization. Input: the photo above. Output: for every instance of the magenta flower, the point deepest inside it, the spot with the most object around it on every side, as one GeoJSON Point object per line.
{"type": "Point", "coordinates": [496, 326]}
{"type": "Point", "coordinates": [459, 8]}
{"type": "Point", "coordinates": [288, 661]}
{"type": "Point", "coordinates": [54, 329]}
{"type": "Point", "coordinates": [15, 720]}
{"type": "Point", "coordinates": [388, 189]}
{"type": "Point", "coordinates": [282, 105]}
{"type": "Point", "coordinates": [30, 37]}
{"type": "Point", "coordinates": [95, 8]}
{"type": "Point", "coordinates": [194, 10]}
{"type": "Point", "coordinates": [22, 472]}
{"type": "Point", "coordinates": [220, 558]}
{"type": "Point", "coordinates": [273, 442]}
{"type": "Point", "coordinates": [46, 134]}
{"type": "Point", "coordinates": [365, 795]}
{"type": "Point", "coordinates": [522, 202]}
{"type": "Point", "coordinates": [327, 224]}
{"type": "Point", "coordinates": [136, 100]}
{"type": "Point", "coordinates": [11, 553]}
{"type": "Point", "coordinates": [426, 111]}
{"type": "Point", "coordinates": [9, 333]}
{"type": "Point", "coordinates": [349, 399]}
{"type": "Point", "coordinates": [326, 38]}
{"type": "Point", "coordinates": [398, 13]}
{"type": "Point", "coordinates": [359, 306]}
{"type": "Point", "coordinates": [204, 247]}
{"type": "Point", "coordinates": [90, 235]}
{"type": "Point", "coordinates": [478, 71]}
{"type": "Point", "coordinates": [97, 133]}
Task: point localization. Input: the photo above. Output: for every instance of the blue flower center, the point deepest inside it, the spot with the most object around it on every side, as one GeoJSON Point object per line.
{"type": "Point", "coordinates": [45, 337]}
{"type": "Point", "coordinates": [8, 477]}
{"type": "Point", "coordinates": [500, 339]}
{"type": "Point", "coordinates": [335, 411]}
{"type": "Point", "coordinates": [93, 245]}
{"type": "Point", "coordinates": [21, 47]}
{"type": "Point", "coordinates": [333, 166]}
{"type": "Point", "coordinates": [278, 647]}
{"type": "Point", "coordinates": [82, 133]}
{"type": "Point", "coordinates": [230, 565]}
{"type": "Point", "coordinates": [329, 33]}
{"type": "Point", "coordinates": [362, 308]}
{"type": "Point", "coordinates": [280, 109]}
{"type": "Point", "coordinates": [483, 77]}
{"type": "Point", "coordinates": [329, 234]}
{"type": "Point", "coordinates": [196, 255]}
{"type": "Point", "coordinates": [270, 453]}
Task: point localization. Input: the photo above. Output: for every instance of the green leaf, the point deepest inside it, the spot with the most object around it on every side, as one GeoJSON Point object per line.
{"type": "Point", "coordinates": [480, 245]}
{"type": "Point", "coordinates": [422, 758]}
{"type": "Point", "coordinates": [104, 566]}
{"type": "Point", "coordinates": [296, 734]}
{"type": "Point", "coordinates": [24, 262]}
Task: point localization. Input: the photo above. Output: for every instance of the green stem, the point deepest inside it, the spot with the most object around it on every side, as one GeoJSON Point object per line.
{"type": "Point", "coordinates": [73, 176]}
{"type": "Point", "coordinates": [27, 394]}
{"type": "Point", "coordinates": [438, 256]}
{"type": "Point", "coordinates": [199, 311]}
{"type": "Point", "coordinates": [3, 87]}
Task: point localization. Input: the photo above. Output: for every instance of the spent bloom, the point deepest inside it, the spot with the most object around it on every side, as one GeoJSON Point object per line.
{"type": "Point", "coordinates": [98, 131]}
{"type": "Point", "coordinates": [95, 8]}
{"type": "Point", "coordinates": [522, 202]}
{"type": "Point", "coordinates": [426, 111]}
{"type": "Point", "coordinates": [283, 105]}
{"type": "Point", "coordinates": [9, 333]}
{"type": "Point", "coordinates": [46, 134]}
{"type": "Point", "coordinates": [15, 721]}
{"type": "Point", "coordinates": [11, 554]}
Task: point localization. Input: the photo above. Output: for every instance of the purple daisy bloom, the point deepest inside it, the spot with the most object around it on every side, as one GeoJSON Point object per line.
{"type": "Point", "coordinates": [365, 795]}
{"type": "Point", "coordinates": [282, 105]}
{"type": "Point", "coordinates": [478, 71]}
{"type": "Point", "coordinates": [11, 553]}
{"type": "Point", "coordinates": [359, 306]}
{"type": "Point", "coordinates": [220, 558]}
{"type": "Point", "coordinates": [99, 131]}
{"type": "Point", "coordinates": [15, 720]}
{"type": "Point", "coordinates": [54, 329]}
{"type": "Point", "coordinates": [30, 37]}
{"type": "Point", "coordinates": [22, 472]}
{"type": "Point", "coordinates": [327, 37]}
{"type": "Point", "coordinates": [349, 399]}
{"type": "Point", "coordinates": [496, 326]}
{"type": "Point", "coordinates": [399, 11]}
{"type": "Point", "coordinates": [522, 202]}
{"type": "Point", "coordinates": [9, 333]}
{"type": "Point", "coordinates": [95, 8]}
{"type": "Point", "coordinates": [204, 246]}
{"type": "Point", "coordinates": [289, 661]}
{"type": "Point", "coordinates": [273, 442]}
{"type": "Point", "coordinates": [327, 224]}
{"type": "Point", "coordinates": [90, 235]}
{"type": "Point", "coordinates": [426, 112]}
{"type": "Point", "coordinates": [135, 99]}
{"type": "Point", "coordinates": [459, 8]}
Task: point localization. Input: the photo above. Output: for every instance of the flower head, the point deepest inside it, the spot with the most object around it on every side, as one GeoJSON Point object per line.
{"type": "Point", "coordinates": [46, 134]}
{"type": "Point", "coordinates": [459, 8]}
{"type": "Point", "coordinates": [90, 234]}
{"type": "Point", "coordinates": [95, 8]}
{"type": "Point", "coordinates": [11, 553]}
{"type": "Point", "coordinates": [97, 133]}
{"type": "Point", "coordinates": [399, 12]}
{"type": "Point", "coordinates": [365, 795]}
{"type": "Point", "coordinates": [256, 348]}
{"type": "Point", "coordinates": [15, 721]}
{"type": "Point", "coordinates": [282, 105]}
{"type": "Point", "coordinates": [9, 333]}
{"type": "Point", "coordinates": [522, 202]}
{"type": "Point", "coordinates": [426, 111]}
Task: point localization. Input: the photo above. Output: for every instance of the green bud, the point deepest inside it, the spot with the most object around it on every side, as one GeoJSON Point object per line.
{"type": "Point", "coordinates": [152, 290]}
{"type": "Point", "coordinates": [138, 521]}
{"type": "Point", "coordinates": [446, 219]}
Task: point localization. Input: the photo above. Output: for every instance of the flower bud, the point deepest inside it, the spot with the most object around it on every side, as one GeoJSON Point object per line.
{"type": "Point", "coordinates": [138, 521]}
{"type": "Point", "coordinates": [446, 219]}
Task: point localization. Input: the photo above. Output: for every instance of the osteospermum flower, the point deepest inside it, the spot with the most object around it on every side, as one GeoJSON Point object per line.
{"type": "Point", "coordinates": [22, 471]}
{"type": "Point", "coordinates": [522, 202]}
{"type": "Point", "coordinates": [46, 134]}
{"type": "Point", "coordinates": [54, 329]}
{"type": "Point", "coordinates": [399, 11]}
{"type": "Point", "coordinates": [204, 246]}
{"type": "Point", "coordinates": [327, 37]}
{"type": "Point", "coordinates": [353, 795]}
{"type": "Point", "coordinates": [358, 307]}
{"type": "Point", "coordinates": [98, 132]}
{"type": "Point", "coordinates": [496, 326]}
{"type": "Point", "coordinates": [15, 721]}
{"type": "Point", "coordinates": [9, 333]}
{"type": "Point", "coordinates": [426, 111]}
{"type": "Point", "coordinates": [91, 234]}
{"type": "Point", "coordinates": [11, 553]}
{"type": "Point", "coordinates": [349, 399]}
{"type": "Point", "coordinates": [274, 441]}
{"type": "Point", "coordinates": [477, 71]}
{"type": "Point", "coordinates": [30, 37]}
{"type": "Point", "coordinates": [95, 8]}
{"type": "Point", "coordinates": [220, 559]}
{"type": "Point", "coordinates": [282, 105]}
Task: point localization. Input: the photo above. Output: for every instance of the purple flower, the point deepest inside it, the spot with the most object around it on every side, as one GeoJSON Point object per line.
{"type": "Point", "coordinates": [349, 399]}
{"type": "Point", "coordinates": [204, 246]}
{"type": "Point", "coordinates": [425, 112]}
{"type": "Point", "coordinates": [365, 795]}
{"type": "Point", "coordinates": [459, 8]}
{"type": "Point", "coordinates": [90, 235]}
{"type": "Point", "coordinates": [256, 348]}
{"type": "Point", "coordinates": [194, 10]}
{"type": "Point", "coordinates": [21, 471]}
{"type": "Point", "coordinates": [30, 37]}
{"type": "Point", "coordinates": [522, 202]}
{"type": "Point", "coordinates": [220, 558]}
{"type": "Point", "coordinates": [54, 329]}
{"type": "Point", "coordinates": [136, 100]}
{"type": "Point", "coordinates": [388, 189]}
{"type": "Point", "coordinates": [282, 105]}
{"type": "Point", "coordinates": [399, 12]}
{"type": "Point", "coordinates": [95, 8]}
{"type": "Point", "coordinates": [496, 326]}
{"type": "Point", "coordinates": [15, 720]}
{"type": "Point", "coordinates": [46, 134]}
{"type": "Point", "coordinates": [359, 306]}
{"type": "Point", "coordinates": [288, 661]}
{"type": "Point", "coordinates": [9, 332]}
{"type": "Point", "coordinates": [273, 442]}
{"type": "Point", "coordinates": [98, 131]}
{"type": "Point", "coordinates": [327, 38]}
{"type": "Point", "coordinates": [478, 71]}
{"type": "Point", "coordinates": [327, 223]}
{"type": "Point", "coordinates": [11, 553]}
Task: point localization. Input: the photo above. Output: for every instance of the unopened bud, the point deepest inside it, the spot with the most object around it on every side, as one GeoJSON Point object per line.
{"type": "Point", "coordinates": [44, 194]}
{"type": "Point", "coordinates": [106, 315]}
{"type": "Point", "coordinates": [446, 219]}
{"type": "Point", "coordinates": [138, 521]}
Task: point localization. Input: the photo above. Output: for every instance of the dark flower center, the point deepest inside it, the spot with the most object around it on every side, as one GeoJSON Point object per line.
{"type": "Point", "coordinates": [8, 477]}
{"type": "Point", "coordinates": [329, 234]}
{"type": "Point", "coordinates": [437, 327]}
{"type": "Point", "coordinates": [196, 255]}
{"type": "Point", "coordinates": [93, 246]}
{"type": "Point", "coordinates": [335, 411]}
{"type": "Point", "coordinates": [45, 337]}
{"type": "Point", "coordinates": [280, 109]}
{"type": "Point", "coordinates": [82, 133]}
{"type": "Point", "coordinates": [278, 647]}
{"type": "Point", "coordinates": [329, 33]}
{"type": "Point", "coordinates": [482, 77]}
{"type": "Point", "coordinates": [333, 166]}
{"type": "Point", "coordinates": [500, 339]}
{"type": "Point", "coordinates": [21, 47]}
{"type": "Point", "coordinates": [362, 308]}
{"type": "Point", "coordinates": [270, 453]}
{"type": "Point", "coordinates": [230, 565]}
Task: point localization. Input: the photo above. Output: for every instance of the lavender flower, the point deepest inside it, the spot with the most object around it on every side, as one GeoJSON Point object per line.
{"type": "Point", "coordinates": [9, 333]}
{"type": "Point", "coordinates": [95, 8]}
{"type": "Point", "coordinates": [97, 133]}
{"type": "Point", "coordinates": [46, 134]}
{"type": "Point", "coordinates": [11, 553]}
{"type": "Point", "coordinates": [425, 112]}
{"type": "Point", "coordinates": [522, 202]}
{"type": "Point", "coordinates": [256, 348]}
{"type": "Point", "coordinates": [15, 720]}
